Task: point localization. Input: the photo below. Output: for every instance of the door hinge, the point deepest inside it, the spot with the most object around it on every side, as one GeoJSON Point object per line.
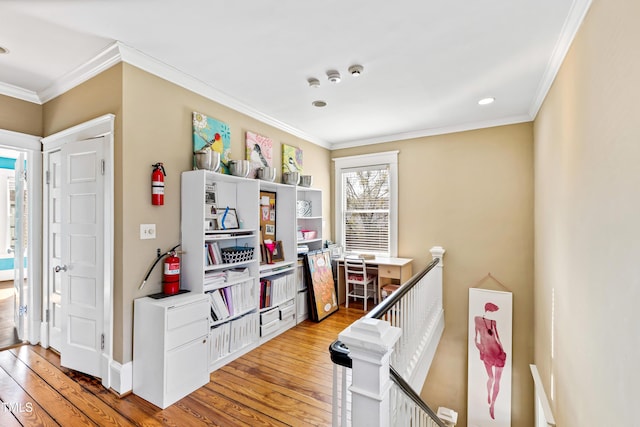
{"type": "Point", "coordinates": [46, 177]}
{"type": "Point", "coordinates": [24, 176]}
{"type": "Point", "coordinates": [102, 342]}
{"type": "Point", "coordinates": [22, 310]}
{"type": "Point", "coordinates": [46, 315]}
{"type": "Point", "coordinates": [102, 166]}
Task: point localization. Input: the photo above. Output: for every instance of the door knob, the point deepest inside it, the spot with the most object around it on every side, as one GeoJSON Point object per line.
{"type": "Point", "coordinates": [59, 268]}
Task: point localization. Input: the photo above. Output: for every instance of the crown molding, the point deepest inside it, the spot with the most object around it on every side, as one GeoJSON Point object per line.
{"type": "Point", "coordinates": [19, 93]}
{"type": "Point", "coordinates": [523, 118]}
{"type": "Point", "coordinates": [151, 65]}
{"type": "Point", "coordinates": [572, 24]}
{"type": "Point", "coordinates": [96, 65]}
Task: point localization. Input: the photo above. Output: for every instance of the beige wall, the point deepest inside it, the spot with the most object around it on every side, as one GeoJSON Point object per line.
{"type": "Point", "coordinates": [20, 116]}
{"type": "Point", "coordinates": [157, 128]}
{"type": "Point", "coordinates": [587, 147]}
{"type": "Point", "coordinates": [471, 193]}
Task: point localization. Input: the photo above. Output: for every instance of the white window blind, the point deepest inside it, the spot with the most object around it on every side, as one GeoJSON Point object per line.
{"type": "Point", "coordinates": [366, 209]}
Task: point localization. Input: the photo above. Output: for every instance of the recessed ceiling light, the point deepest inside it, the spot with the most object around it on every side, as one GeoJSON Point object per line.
{"type": "Point", "coordinates": [3, 50]}
{"type": "Point", "coordinates": [319, 103]}
{"type": "Point", "coordinates": [486, 101]}
{"type": "Point", "coordinates": [313, 82]}
{"type": "Point", "coordinates": [333, 76]}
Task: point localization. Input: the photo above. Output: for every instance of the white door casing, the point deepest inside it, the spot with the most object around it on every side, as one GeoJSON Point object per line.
{"type": "Point", "coordinates": [19, 310]}
{"type": "Point", "coordinates": [86, 287]}
{"type": "Point", "coordinates": [54, 247]}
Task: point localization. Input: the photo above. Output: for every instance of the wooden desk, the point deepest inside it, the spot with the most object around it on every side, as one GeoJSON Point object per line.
{"type": "Point", "coordinates": [390, 270]}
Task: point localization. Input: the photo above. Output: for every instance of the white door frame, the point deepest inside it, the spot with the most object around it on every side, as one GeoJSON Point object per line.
{"type": "Point", "coordinates": [30, 145]}
{"type": "Point", "coordinates": [101, 126]}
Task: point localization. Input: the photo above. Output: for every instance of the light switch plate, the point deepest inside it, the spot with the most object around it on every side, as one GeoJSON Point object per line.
{"type": "Point", "coordinates": [147, 231]}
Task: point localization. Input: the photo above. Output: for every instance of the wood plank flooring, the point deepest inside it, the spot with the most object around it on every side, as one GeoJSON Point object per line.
{"type": "Point", "coordinates": [285, 382]}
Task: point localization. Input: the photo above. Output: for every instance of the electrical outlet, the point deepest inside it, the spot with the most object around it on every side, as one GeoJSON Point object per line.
{"type": "Point", "coordinates": [147, 231]}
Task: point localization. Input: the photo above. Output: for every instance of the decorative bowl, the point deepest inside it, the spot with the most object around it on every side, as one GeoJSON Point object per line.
{"type": "Point", "coordinates": [239, 167]}
{"type": "Point", "coordinates": [290, 178]}
{"type": "Point", "coordinates": [207, 159]}
{"type": "Point", "coordinates": [306, 180]}
{"type": "Point", "coordinates": [266, 174]}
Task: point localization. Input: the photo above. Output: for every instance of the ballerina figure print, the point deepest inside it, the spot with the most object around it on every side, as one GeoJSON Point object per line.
{"type": "Point", "coordinates": [492, 354]}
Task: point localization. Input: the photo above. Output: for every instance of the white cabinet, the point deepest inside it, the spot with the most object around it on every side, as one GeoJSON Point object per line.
{"type": "Point", "coordinates": [170, 353]}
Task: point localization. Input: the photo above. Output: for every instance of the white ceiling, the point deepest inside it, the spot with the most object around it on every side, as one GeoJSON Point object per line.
{"type": "Point", "coordinates": [426, 62]}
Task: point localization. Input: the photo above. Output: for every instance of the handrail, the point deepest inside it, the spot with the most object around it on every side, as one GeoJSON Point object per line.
{"type": "Point", "coordinates": [410, 393]}
{"type": "Point", "coordinates": [340, 353]}
{"type": "Point", "coordinates": [383, 308]}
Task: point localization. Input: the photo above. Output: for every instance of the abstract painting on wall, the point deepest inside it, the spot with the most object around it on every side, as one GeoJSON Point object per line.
{"type": "Point", "coordinates": [291, 159]}
{"type": "Point", "coordinates": [209, 132]}
{"type": "Point", "coordinates": [489, 367]}
{"type": "Point", "coordinates": [259, 151]}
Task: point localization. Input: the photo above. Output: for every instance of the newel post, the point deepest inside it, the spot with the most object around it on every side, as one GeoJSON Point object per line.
{"type": "Point", "coordinates": [438, 252]}
{"type": "Point", "coordinates": [370, 343]}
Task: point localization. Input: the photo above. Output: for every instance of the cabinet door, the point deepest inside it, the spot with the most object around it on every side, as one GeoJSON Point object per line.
{"type": "Point", "coordinates": [186, 369]}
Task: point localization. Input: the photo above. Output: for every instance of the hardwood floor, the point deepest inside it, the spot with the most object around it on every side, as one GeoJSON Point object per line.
{"type": "Point", "coordinates": [285, 382]}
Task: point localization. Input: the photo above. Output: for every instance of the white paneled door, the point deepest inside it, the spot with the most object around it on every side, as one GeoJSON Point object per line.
{"type": "Point", "coordinates": [81, 266]}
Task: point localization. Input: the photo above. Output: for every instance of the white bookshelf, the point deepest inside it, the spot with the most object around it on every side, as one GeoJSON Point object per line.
{"type": "Point", "coordinates": [231, 335]}
{"type": "Point", "coordinates": [309, 219]}
{"type": "Point", "coordinates": [279, 315]}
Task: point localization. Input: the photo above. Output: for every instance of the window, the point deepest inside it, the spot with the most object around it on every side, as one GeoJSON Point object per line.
{"type": "Point", "coordinates": [366, 203]}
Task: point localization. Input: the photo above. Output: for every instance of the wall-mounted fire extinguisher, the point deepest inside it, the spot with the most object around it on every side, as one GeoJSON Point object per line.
{"type": "Point", "coordinates": [157, 184]}
{"type": "Point", "coordinates": [171, 274]}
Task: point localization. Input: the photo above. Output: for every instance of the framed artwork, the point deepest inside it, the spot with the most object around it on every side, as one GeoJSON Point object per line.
{"type": "Point", "coordinates": [322, 292]}
{"type": "Point", "coordinates": [227, 219]}
{"type": "Point", "coordinates": [208, 131]}
{"type": "Point", "coordinates": [291, 159]}
{"type": "Point", "coordinates": [275, 252]}
{"type": "Point", "coordinates": [489, 359]}
{"type": "Point", "coordinates": [259, 151]}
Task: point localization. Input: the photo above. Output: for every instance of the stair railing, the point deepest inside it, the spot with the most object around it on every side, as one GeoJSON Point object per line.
{"type": "Point", "coordinates": [382, 358]}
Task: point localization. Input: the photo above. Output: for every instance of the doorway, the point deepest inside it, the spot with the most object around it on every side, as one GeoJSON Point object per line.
{"type": "Point", "coordinates": [78, 242]}
{"type": "Point", "coordinates": [20, 248]}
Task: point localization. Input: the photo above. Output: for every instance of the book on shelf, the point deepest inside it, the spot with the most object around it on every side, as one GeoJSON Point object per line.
{"type": "Point", "coordinates": [213, 255]}
{"type": "Point", "coordinates": [277, 289]}
{"type": "Point", "coordinates": [218, 306]}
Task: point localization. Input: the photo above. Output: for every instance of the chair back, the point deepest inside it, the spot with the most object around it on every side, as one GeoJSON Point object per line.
{"type": "Point", "coordinates": [355, 269]}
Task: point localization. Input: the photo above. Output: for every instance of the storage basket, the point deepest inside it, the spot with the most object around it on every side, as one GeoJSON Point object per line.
{"type": "Point", "coordinates": [236, 254]}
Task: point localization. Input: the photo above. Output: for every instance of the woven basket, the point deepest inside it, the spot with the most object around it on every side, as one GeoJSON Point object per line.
{"type": "Point", "coordinates": [236, 254]}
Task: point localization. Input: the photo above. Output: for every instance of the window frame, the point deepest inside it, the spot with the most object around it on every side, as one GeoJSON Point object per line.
{"type": "Point", "coordinates": [341, 164]}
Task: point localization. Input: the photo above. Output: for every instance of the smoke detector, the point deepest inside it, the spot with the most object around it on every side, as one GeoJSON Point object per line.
{"type": "Point", "coordinates": [333, 76]}
{"type": "Point", "coordinates": [356, 70]}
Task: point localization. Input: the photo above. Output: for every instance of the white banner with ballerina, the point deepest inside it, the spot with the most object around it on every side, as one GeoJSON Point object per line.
{"type": "Point", "coordinates": [490, 355]}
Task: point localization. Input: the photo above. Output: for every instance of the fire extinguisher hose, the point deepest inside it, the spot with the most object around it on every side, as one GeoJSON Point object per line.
{"type": "Point", "coordinates": [157, 260]}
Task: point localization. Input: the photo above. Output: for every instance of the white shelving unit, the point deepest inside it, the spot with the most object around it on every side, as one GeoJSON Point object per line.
{"type": "Point", "coordinates": [279, 314]}
{"type": "Point", "coordinates": [237, 332]}
{"type": "Point", "coordinates": [308, 219]}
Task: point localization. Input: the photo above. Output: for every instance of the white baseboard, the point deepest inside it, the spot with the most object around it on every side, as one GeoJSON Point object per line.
{"type": "Point", "coordinates": [121, 377]}
{"type": "Point", "coordinates": [44, 335]}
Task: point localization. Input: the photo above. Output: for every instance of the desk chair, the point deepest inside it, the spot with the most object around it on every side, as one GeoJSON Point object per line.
{"type": "Point", "coordinates": [359, 283]}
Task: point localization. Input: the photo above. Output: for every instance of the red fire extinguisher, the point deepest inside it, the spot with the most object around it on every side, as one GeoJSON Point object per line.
{"type": "Point", "coordinates": [171, 274]}
{"type": "Point", "coordinates": [157, 184]}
